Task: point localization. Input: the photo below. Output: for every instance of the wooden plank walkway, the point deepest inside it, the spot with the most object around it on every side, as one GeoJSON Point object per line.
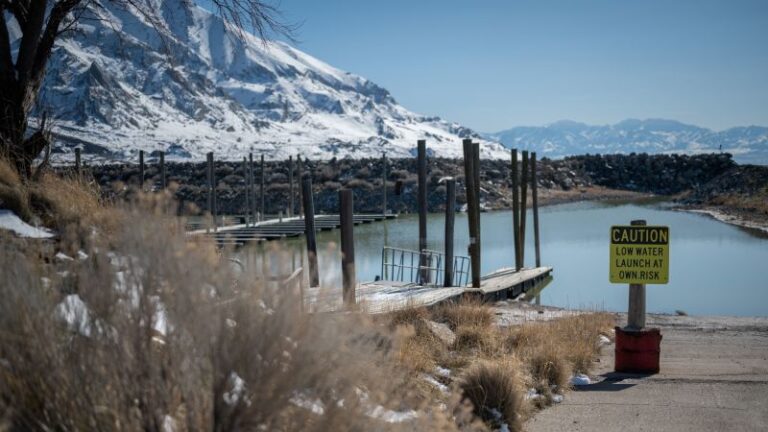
{"type": "Point", "coordinates": [387, 296]}
{"type": "Point", "coordinates": [276, 229]}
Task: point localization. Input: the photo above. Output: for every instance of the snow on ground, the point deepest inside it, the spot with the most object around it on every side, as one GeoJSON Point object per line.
{"type": "Point", "coordinates": [75, 313]}
{"type": "Point", "coordinates": [580, 380]}
{"type": "Point", "coordinates": [10, 222]}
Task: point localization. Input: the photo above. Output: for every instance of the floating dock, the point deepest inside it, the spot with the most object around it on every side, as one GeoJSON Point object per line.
{"type": "Point", "coordinates": [275, 229]}
{"type": "Point", "coordinates": [390, 296]}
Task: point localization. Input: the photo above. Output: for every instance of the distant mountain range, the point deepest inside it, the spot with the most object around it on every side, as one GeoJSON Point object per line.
{"type": "Point", "coordinates": [188, 83]}
{"type": "Point", "coordinates": [748, 144]}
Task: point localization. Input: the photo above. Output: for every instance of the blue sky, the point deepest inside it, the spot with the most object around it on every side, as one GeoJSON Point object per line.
{"type": "Point", "coordinates": [492, 64]}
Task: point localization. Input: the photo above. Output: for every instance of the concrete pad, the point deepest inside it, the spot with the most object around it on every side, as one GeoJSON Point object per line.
{"type": "Point", "coordinates": [714, 377]}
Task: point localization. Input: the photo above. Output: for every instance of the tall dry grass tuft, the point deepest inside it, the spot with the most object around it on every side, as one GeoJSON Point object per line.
{"type": "Point", "coordinates": [496, 391]}
{"type": "Point", "coordinates": [67, 203]}
{"type": "Point", "coordinates": [67, 200]}
{"type": "Point", "coordinates": [484, 357]}
{"type": "Point", "coordinates": [469, 312]}
{"type": "Point", "coordinates": [13, 194]}
{"type": "Point", "coordinates": [146, 331]}
{"type": "Point", "coordinates": [553, 351]}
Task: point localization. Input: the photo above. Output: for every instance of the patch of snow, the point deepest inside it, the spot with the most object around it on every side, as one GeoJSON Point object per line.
{"type": "Point", "coordinates": [580, 380]}
{"type": "Point", "coordinates": [444, 372]}
{"type": "Point", "coordinates": [532, 394]}
{"type": "Point", "coordinates": [603, 341]}
{"type": "Point", "coordinates": [303, 401]}
{"type": "Point", "coordinates": [557, 398]}
{"type": "Point", "coordinates": [391, 416]}
{"type": "Point", "coordinates": [160, 317]}
{"type": "Point", "coordinates": [62, 257]}
{"type": "Point", "coordinates": [381, 413]}
{"type": "Point", "coordinates": [9, 221]}
{"type": "Point", "coordinates": [432, 380]}
{"type": "Point", "coordinates": [236, 389]}
{"type": "Point", "coordinates": [169, 424]}
{"type": "Point", "coordinates": [75, 313]}
{"type": "Point", "coordinates": [267, 310]}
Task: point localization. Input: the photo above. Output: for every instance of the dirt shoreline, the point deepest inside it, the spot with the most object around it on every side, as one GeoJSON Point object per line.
{"type": "Point", "coordinates": [726, 215]}
{"type": "Point", "coordinates": [731, 217]}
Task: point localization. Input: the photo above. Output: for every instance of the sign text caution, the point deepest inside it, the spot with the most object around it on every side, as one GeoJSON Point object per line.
{"type": "Point", "coordinates": [639, 254]}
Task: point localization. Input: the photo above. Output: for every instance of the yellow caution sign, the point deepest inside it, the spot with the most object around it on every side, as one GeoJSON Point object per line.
{"type": "Point", "coordinates": [639, 254]}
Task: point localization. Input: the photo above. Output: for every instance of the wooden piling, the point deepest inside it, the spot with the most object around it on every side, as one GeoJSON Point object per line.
{"type": "Point", "coordinates": [535, 204]}
{"type": "Point", "coordinates": [263, 208]}
{"type": "Point", "coordinates": [209, 181]}
{"type": "Point", "coordinates": [78, 161]}
{"type": "Point", "coordinates": [308, 207]}
{"type": "Point", "coordinates": [478, 227]}
{"type": "Point", "coordinates": [299, 171]}
{"type": "Point", "coordinates": [346, 206]}
{"type": "Point", "coordinates": [246, 185]}
{"type": "Point", "coordinates": [523, 205]}
{"type": "Point", "coordinates": [450, 215]}
{"type": "Point", "coordinates": [384, 182]}
{"type": "Point", "coordinates": [290, 186]}
{"type": "Point", "coordinates": [212, 190]}
{"type": "Point", "coordinates": [469, 182]}
{"type": "Point", "coordinates": [253, 187]}
{"type": "Point", "coordinates": [636, 310]}
{"type": "Point", "coordinates": [516, 210]}
{"type": "Point", "coordinates": [163, 183]}
{"type": "Point", "coordinates": [141, 169]}
{"type": "Point", "coordinates": [422, 173]}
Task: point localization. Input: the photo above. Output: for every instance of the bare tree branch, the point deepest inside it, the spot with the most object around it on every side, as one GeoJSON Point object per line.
{"type": "Point", "coordinates": [19, 9]}
{"type": "Point", "coordinates": [55, 18]}
{"type": "Point", "coordinates": [32, 29]}
{"type": "Point", "coordinates": [6, 61]}
{"type": "Point", "coordinates": [257, 15]}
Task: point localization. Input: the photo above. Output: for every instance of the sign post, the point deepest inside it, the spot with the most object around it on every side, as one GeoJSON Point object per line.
{"type": "Point", "coordinates": [639, 255]}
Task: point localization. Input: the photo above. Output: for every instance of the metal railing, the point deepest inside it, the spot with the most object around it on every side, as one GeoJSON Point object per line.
{"type": "Point", "coordinates": [425, 268]}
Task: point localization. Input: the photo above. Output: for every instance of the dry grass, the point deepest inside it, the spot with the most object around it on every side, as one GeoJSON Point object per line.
{"type": "Point", "coordinates": [13, 195]}
{"type": "Point", "coordinates": [171, 335]}
{"type": "Point", "coordinates": [469, 312]}
{"type": "Point", "coordinates": [576, 337]}
{"type": "Point", "coordinates": [493, 366]}
{"type": "Point", "coordinates": [755, 203]}
{"type": "Point", "coordinates": [409, 316]}
{"type": "Point", "coordinates": [63, 202]}
{"type": "Point", "coordinates": [496, 391]}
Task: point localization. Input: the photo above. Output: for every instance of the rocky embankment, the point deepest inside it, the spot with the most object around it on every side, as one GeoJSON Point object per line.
{"type": "Point", "coordinates": [573, 178]}
{"type": "Point", "coordinates": [738, 196]}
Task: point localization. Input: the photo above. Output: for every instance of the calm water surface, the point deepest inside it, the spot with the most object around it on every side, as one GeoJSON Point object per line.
{"type": "Point", "coordinates": [715, 268]}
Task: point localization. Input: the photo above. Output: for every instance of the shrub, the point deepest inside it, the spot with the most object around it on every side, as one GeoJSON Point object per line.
{"type": "Point", "coordinates": [151, 332]}
{"type": "Point", "coordinates": [468, 312]}
{"type": "Point", "coordinates": [495, 391]}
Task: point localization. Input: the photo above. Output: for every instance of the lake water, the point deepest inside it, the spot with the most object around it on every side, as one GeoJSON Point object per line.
{"type": "Point", "coordinates": [715, 268]}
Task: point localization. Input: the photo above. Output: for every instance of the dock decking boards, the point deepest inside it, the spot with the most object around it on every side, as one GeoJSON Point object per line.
{"type": "Point", "coordinates": [276, 229]}
{"type": "Point", "coordinates": [388, 296]}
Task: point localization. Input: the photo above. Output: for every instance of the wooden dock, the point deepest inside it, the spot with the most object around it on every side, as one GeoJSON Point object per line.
{"type": "Point", "coordinates": [275, 229]}
{"type": "Point", "coordinates": [388, 296]}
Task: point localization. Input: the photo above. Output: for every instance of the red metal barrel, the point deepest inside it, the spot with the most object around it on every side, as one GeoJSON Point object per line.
{"type": "Point", "coordinates": [638, 351]}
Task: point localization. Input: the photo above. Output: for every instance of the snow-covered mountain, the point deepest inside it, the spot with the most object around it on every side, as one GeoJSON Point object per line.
{"type": "Point", "coordinates": [118, 84]}
{"type": "Point", "coordinates": [563, 138]}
